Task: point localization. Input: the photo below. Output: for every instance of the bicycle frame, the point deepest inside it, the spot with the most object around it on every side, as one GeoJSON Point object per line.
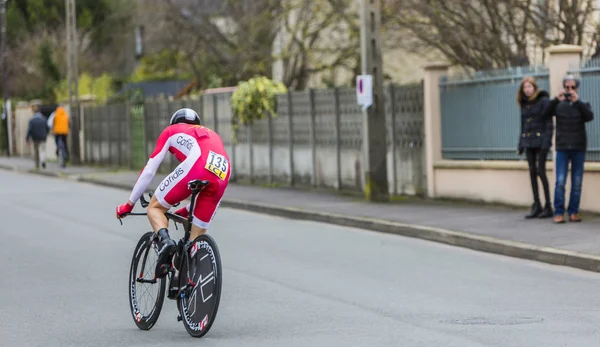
{"type": "Point", "coordinates": [196, 186]}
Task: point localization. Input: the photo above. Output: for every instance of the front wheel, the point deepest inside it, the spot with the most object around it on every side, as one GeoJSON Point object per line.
{"type": "Point", "coordinates": [146, 292]}
{"type": "Point", "coordinates": [198, 304]}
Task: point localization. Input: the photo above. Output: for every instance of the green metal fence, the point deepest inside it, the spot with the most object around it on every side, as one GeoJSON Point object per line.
{"type": "Point", "coordinates": [589, 90]}
{"type": "Point", "coordinates": [480, 115]}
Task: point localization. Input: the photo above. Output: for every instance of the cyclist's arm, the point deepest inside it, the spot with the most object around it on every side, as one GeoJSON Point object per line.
{"type": "Point", "coordinates": [147, 174]}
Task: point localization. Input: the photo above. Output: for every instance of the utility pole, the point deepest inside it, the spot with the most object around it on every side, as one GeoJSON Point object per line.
{"type": "Point", "coordinates": [72, 80]}
{"type": "Point", "coordinates": [374, 125]}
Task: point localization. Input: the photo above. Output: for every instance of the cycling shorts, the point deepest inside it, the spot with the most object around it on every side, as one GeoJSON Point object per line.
{"type": "Point", "coordinates": [174, 188]}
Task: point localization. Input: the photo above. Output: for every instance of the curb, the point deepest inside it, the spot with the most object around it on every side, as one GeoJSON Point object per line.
{"type": "Point", "coordinates": [486, 244]}
{"type": "Point", "coordinates": [454, 238]}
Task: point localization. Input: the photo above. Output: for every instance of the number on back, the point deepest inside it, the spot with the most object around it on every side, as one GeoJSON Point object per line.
{"type": "Point", "coordinates": [217, 164]}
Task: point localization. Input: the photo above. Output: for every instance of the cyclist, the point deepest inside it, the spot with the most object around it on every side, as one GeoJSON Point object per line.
{"type": "Point", "coordinates": [202, 156]}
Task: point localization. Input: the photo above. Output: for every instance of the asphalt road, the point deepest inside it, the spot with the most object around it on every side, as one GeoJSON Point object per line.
{"type": "Point", "coordinates": [65, 263]}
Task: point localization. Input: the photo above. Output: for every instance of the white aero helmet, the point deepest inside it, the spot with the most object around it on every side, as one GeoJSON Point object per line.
{"type": "Point", "coordinates": [185, 115]}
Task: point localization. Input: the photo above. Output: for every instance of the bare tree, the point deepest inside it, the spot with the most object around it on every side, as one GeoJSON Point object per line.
{"type": "Point", "coordinates": [479, 34]}
{"type": "Point", "coordinates": [485, 34]}
{"type": "Point", "coordinates": [230, 39]}
{"type": "Point", "coordinates": [568, 22]}
{"type": "Point", "coordinates": [318, 36]}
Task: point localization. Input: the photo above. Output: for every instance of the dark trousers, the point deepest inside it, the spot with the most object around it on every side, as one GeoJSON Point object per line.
{"type": "Point", "coordinates": [62, 138]}
{"type": "Point", "coordinates": [536, 159]}
{"type": "Point", "coordinates": [577, 159]}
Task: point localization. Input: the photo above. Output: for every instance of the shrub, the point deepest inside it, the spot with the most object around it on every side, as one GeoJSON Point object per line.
{"type": "Point", "coordinates": [254, 99]}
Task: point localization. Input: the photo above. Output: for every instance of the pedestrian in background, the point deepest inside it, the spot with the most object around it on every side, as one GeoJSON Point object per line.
{"type": "Point", "coordinates": [535, 140]}
{"type": "Point", "coordinates": [37, 131]}
{"type": "Point", "coordinates": [571, 114]}
{"type": "Point", "coordinates": [59, 123]}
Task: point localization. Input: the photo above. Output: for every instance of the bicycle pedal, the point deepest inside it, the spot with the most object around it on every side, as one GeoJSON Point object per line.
{"type": "Point", "coordinates": [179, 319]}
{"type": "Point", "coordinates": [173, 293]}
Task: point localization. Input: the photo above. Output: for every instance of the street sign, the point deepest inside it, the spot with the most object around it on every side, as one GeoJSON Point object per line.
{"type": "Point", "coordinates": [364, 90]}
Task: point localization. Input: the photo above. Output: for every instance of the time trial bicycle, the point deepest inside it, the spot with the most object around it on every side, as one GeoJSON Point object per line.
{"type": "Point", "coordinates": [194, 279]}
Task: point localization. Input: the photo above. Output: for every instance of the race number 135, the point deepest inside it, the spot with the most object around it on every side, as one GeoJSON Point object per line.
{"type": "Point", "coordinates": [217, 164]}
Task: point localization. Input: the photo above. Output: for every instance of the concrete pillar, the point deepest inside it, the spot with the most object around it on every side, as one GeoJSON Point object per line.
{"type": "Point", "coordinates": [561, 58]}
{"type": "Point", "coordinates": [433, 119]}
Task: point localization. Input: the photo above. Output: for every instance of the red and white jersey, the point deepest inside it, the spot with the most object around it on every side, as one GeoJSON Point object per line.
{"type": "Point", "coordinates": [195, 146]}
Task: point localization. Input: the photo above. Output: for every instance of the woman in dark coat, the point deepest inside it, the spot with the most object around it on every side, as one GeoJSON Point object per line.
{"type": "Point", "coordinates": [535, 140]}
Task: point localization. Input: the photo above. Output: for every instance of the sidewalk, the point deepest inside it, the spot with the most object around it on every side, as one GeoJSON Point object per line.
{"type": "Point", "coordinates": [486, 228]}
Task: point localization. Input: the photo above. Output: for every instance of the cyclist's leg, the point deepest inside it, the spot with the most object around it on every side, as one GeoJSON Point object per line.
{"type": "Point", "coordinates": [206, 206]}
{"type": "Point", "coordinates": [156, 214]}
{"type": "Point", "coordinates": [170, 191]}
{"type": "Point", "coordinates": [204, 212]}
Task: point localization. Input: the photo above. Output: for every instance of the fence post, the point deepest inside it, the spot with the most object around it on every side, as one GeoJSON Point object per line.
{"type": "Point", "coordinates": [157, 117]}
{"type": "Point", "coordinates": [91, 138]}
{"type": "Point", "coordinates": [234, 132]}
{"type": "Point", "coordinates": [129, 135]}
{"type": "Point", "coordinates": [393, 139]}
{"type": "Point", "coordinates": [251, 152]}
{"type": "Point", "coordinates": [106, 114]}
{"type": "Point", "coordinates": [201, 108]}
{"type": "Point", "coordinates": [143, 108]}
{"type": "Point", "coordinates": [119, 130]}
{"type": "Point", "coordinates": [313, 136]}
{"type": "Point", "coordinates": [98, 121]}
{"type": "Point", "coordinates": [82, 148]}
{"type": "Point", "coordinates": [338, 138]}
{"type": "Point", "coordinates": [85, 158]}
{"type": "Point", "coordinates": [291, 136]}
{"type": "Point", "coordinates": [112, 136]}
{"type": "Point", "coordinates": [270, 145]}
{"type": "Point", "coordinates": [216, 112]}
{"type": "Point", "coordinates": [433, 120]}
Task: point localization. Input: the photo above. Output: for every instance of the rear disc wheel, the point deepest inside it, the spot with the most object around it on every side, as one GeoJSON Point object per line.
{"type": "Point", "coordinates": [199, 303]}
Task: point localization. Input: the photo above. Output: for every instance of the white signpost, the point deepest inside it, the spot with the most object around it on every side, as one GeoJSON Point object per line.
{"type": "Point", "coordinates": [364, 90]}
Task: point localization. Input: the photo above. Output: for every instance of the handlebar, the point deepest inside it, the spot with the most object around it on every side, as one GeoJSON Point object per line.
{"type": "Point", "coordinates": [144, 203]}
{"type": "Point", "coordinates": [196, 186]}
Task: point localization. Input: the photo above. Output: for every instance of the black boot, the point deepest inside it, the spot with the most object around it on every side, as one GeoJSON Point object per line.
{"type": "Point", "coordinates": [536, 209]}
{"type": "Point", "coordinates": [167, 248]}
{"type": "Point", "coordinates": [547, 212]}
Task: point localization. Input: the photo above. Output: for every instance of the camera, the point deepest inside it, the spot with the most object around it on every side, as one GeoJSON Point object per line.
{"type": "Point", "coordinates": [568, 95]}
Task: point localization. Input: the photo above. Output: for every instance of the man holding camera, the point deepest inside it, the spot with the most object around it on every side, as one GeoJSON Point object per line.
{"type": "Point", "coordinates": [571, 144]}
